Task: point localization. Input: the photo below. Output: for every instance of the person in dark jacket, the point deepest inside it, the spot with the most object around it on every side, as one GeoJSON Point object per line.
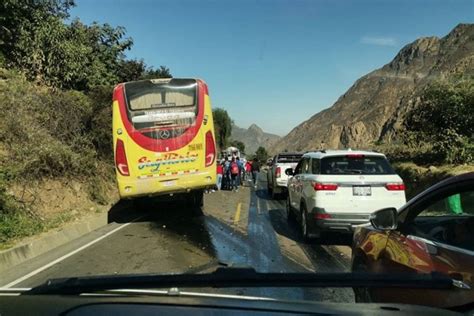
{"type": "Point", "coordinates": [255, 171]}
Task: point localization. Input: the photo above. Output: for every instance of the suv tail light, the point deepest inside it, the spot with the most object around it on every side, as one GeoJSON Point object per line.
{"type": "Point", "coordinates": [278, 172]}
{"type": "Point", "coordinates": [395, 186]}
{"type": "Point", "coordinates": [210, 149]}
{"type": "Point", "coordinates": [121, 158]}
{"type": "Point", "coordinates": [355, 156]}
{"type": "Point", "coordinates": [322, 216]}
{"type": "Point", "coordinates": [318, 186]}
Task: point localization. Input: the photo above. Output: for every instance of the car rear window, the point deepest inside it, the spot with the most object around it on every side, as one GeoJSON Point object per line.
{"type": "Point", "coordinates": [356, 164]}
{"type": "Point", "coordinates": [288, 158]}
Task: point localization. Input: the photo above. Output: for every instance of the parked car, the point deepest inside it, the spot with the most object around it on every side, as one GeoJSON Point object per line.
{"type": "Point", "coordinates": [433, 232]}
{"type": "Point", "coordinates": [277, 180]}
{"type": "Point", "coordinates": [335, 190]}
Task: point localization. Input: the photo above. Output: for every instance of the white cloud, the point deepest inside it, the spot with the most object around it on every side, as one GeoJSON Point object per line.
{"type": "Point", "coordinates": [379, 41]}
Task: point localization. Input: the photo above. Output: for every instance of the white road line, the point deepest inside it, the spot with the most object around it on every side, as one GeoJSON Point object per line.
{"type": "Point", "coordinates": [52, 263]}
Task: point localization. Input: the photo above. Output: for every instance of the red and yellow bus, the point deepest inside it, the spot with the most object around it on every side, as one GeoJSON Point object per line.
{"type": "Point", "coordinates": [163, 135]}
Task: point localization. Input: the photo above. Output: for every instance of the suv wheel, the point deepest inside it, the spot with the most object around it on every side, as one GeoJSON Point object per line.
{"type": "Point", "coordinates": [290, 215]}
{"type": "Point", "coordinates": [304, 224]}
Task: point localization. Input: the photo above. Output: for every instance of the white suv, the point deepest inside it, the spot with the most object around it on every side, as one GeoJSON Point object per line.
{"type": "Point", "coordinates": [334, 190]}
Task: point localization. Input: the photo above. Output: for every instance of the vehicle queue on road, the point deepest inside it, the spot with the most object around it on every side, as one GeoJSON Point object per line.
{"type": "Point", "coordinates": [164, 144]}
{"type": "Point", "coordinates": [359, 193]}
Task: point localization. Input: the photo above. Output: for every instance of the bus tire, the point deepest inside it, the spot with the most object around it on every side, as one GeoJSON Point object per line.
{"type": "Point", "coordinates": [196, 198]}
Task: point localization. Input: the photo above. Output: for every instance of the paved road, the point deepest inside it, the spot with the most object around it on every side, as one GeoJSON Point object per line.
{"type": "Point", "coordinates": [163, 237]}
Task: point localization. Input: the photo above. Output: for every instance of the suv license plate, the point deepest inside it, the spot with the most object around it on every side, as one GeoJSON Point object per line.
{"type": "Point", "coordinates": [361, 190]}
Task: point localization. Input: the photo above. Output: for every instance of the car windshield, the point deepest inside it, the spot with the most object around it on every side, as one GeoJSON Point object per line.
{"type": "Point", "coordinates": [173, 137]}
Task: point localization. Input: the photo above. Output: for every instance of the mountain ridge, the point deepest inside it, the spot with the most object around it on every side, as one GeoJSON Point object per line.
{"type": "Point", "coordinates": [373, 108]}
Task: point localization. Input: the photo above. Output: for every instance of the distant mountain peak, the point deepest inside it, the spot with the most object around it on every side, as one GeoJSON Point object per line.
{"type": "Point", "coordinates": [253, 137]}
{"type": "Point", "coordinates": [255, 127]}
{"type": "Point", "coordinates": [374, 107]}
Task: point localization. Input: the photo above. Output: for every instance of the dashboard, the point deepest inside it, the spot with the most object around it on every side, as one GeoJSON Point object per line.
{"type": "Point", "coordinates": [111, 304]}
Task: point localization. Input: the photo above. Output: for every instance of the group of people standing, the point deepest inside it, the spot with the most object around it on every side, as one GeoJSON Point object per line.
{"type": "Point", "coordinates": [232, 172]}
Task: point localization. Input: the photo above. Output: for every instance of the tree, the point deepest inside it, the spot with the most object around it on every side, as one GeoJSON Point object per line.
{"type": "Point", "coordinates": [19, 16]}
{"type": "Point", "coordinates": [261, 154]}
{"type": "Point", "coordinates": [162, 72]}
{"type": "Point", "coordinates": [131, 70]}
{"type": "Point", "coordinates": [238, 144]}
{"type": "Point", "coordinates": [35, 39]}
{"type": "Point", "coordinates": [222, 126]}
{"type": "Point", "coordinates": [444, 119]}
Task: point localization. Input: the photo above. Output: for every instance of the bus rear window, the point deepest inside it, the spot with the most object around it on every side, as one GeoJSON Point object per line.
{"type": "Point", "coordinates": [162, 108]}
{"type": "Point", "coordinates": [152, 95]}
{"type": "Point", "coordinates": [356, 165]}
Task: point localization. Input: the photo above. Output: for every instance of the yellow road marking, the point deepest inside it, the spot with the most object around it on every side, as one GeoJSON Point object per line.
{"type": "Point", "coordinates": [237, 213]}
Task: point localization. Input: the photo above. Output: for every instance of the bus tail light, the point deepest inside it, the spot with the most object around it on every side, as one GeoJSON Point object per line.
{"type": "Point", "coordinates": [318, 186]}
{"type": "Point", "coordinates": [395, 186]}
{"type": "Point", "coordinates": [210, 149]}
{"type": "Point", "coordinates": [121, 158]}
{"type": "Point", "coordinates": [278, 172]}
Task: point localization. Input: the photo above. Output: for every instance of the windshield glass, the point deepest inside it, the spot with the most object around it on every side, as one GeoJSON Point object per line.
{"type": "Point", "coordinates": [286, 136]}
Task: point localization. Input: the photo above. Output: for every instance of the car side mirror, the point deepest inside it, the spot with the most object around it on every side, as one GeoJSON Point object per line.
{"type": "Point", "coordinates": [289, 171]}
{"type": "Point", "coordinates": [385, 219]}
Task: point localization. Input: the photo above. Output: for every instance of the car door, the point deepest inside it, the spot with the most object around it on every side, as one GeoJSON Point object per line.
{"type": "Point", "coordinates": [298, 181]}
{"type": "Point", "coordinates": [437, 235]}
{"type": "Point", "coordinates": [305, 189]}
{"type": "Point", "coordinates": [292, 186]}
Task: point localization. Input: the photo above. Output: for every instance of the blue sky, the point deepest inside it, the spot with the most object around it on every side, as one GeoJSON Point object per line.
{"type": "Point", "coordinates": [274, 63]}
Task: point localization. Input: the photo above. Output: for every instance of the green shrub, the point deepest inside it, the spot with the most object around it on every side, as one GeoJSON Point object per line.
{"type": "Point", "coordinates": [97, 190]}
{"type": "Point", "coordinates": [444, 121]}
{"type": "Point", "coordinates": [18, 225]}
{"type": "Point", "coordinates": [14, 220]}
{"type": "Point", "coordinates": [46, 132]}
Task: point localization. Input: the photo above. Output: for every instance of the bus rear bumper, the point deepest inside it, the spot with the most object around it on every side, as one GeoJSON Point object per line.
{"type": "Point", "coordinates": [131, 188]}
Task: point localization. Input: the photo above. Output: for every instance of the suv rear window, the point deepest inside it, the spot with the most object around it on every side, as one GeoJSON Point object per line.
{"type": "Point", "coordinates": [288, 158]}
{"type": "Point", "coordinates": [355, 165]}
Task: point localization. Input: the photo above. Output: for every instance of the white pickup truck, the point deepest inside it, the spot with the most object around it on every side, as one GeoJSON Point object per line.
{"type": "Point", "coordinates": [276, 178]}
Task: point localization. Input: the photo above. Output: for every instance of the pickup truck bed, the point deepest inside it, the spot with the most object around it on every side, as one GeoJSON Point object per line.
{"type": "Point", "coordinates": [276, 177]}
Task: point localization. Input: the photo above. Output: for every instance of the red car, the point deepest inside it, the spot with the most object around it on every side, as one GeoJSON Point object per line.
{"type": "Point", "coordinates": [433, 232]}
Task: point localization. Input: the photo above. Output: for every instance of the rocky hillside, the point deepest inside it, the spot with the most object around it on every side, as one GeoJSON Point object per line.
{"type": "Point", "coordinates": [253, 137]}
{"type": "Point", "coordinates": [374, 107]}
